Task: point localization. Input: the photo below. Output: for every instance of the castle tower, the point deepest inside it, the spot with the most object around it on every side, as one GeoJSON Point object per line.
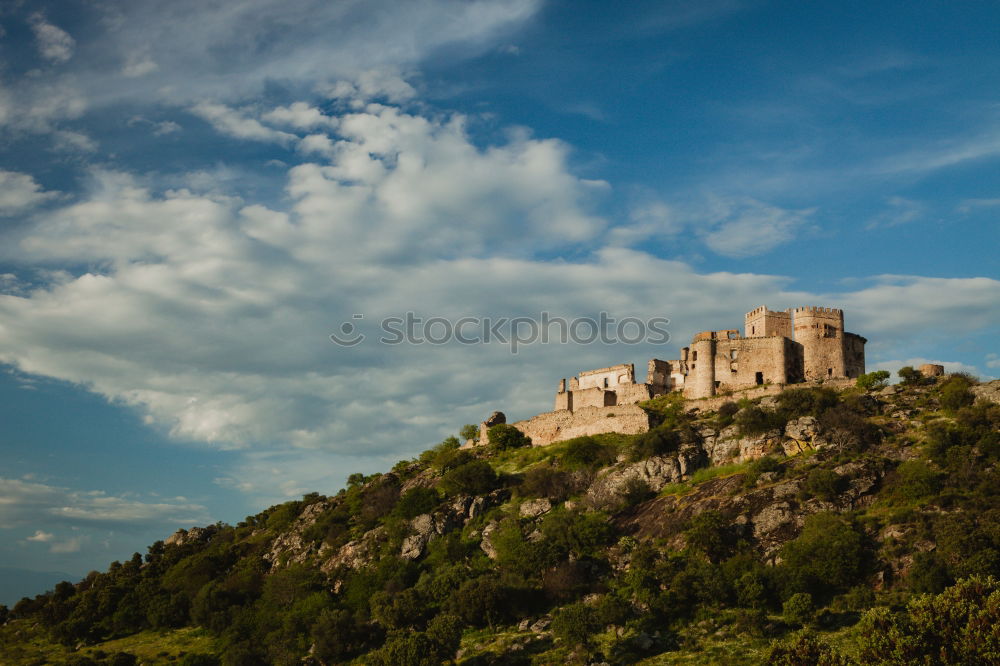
{"type": "Point", "coordinates": [820, 331]}
{"type": "Point", "coordinates": [701, 368]}
{"type": "Point", "coordinates": [763, 323]}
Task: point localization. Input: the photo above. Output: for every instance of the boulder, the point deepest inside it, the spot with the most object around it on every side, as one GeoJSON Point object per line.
{"type": "Point", "coordinates": [424, 529]}
{"type": "Point", "coordinates": [485, 544]}
{"type": "Point", "coordinates": [988, 391]}
{"type": "Point", "coordinates": [535, 508]}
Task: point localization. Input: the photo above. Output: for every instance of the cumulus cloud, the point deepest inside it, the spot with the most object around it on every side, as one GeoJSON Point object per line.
{"type": "Point", "coordinates": [211, 315]}
{"type": "Point", "coordinates": [301, 116]}
{"type": "Point", "coordinates": [235, 124]}
{"type": "Point", "coordinates": [53, 42]}
{"type": "Point", "coordinates": [19, 192]}
{"type": "Point", "coordinates": [181, 53]}
{"type": "Point", "coordinates": [25, 502]}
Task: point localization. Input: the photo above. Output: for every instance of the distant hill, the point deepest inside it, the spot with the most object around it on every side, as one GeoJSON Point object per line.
{"type": "Point", "coordinates": [818, 525]}
{"type": "Point", "coordinates": [18, 583]}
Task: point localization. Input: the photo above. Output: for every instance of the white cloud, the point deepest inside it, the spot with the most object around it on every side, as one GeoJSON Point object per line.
{"type": "Point", "coordinates": [235, 124]}
{"type": "Point", "coordinates": [968, 205]}
{"type": "Point", "coordinates": [41, 537]}
{"type": "Point", "coordinates": [19, 192]}
{"type": "Point", "coordinates": [214, 313]}
{"type": "Point", "coordinates": [138, 65]}
{"type": "Point", "coordinates": [992, 361]}
{"type": "Point", "coordinates": [26, 502]}
{"type": "Point", "coordinates": [653, 219]}
{"type": "Point", "coordinates": [747, 227]}
{"type": "Point", "coordinates": [181, 53]}
{"type": "Point", "coordinates": [301, 116]}
{"type": "Point", "coordinates": [900, 211]}
{"type": "Point", "coordinates": [69, 141]}
{"type": "Point", "coordinates": [53, 42]}
{"type": "Point", "coordinates": [166, 127]}
{"type": "Point", "coordinates": [71, 545]}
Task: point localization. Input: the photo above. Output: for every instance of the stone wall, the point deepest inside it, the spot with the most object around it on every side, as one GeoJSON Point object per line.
{"type": "Point", "coordinates": [607, 377]}
{"type": "Point", "coordinates": [552, 427]}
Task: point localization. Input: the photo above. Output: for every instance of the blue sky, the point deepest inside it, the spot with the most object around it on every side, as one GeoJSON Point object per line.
{"type": "Point", "coordinates": [193, 198]}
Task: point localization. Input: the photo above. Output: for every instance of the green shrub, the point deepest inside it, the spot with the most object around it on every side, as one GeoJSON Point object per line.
{"type": "Point", "coordinates": [504, 436]}
{"type": "Point", "coordinates": [915, 480]}
{"type": "Point", "coordinates": [709, 534]}
{"type": "Point", "coordinates": [446, 455]}
{"type": "Point", "coordinates": [576, 624]}
{"type": "Point", "coordinates": [576, 534]}
{"type": "Point", "coordinates": [480, 602]}
{"type": "Point", "coordinates": [468, 431]}
{"type": "Point", "coordinates": [764, 465]}
{"type": "Point", "coordinates": [848, 431]}
{"type": "Point", "coordinates": [793, 403]}
{"type": "Point", "coordinates": [548, 482]}
{"type": "Point", "coordinates": [829, 556]}
{"type": "Point", "coordinates": [873, 380]}
{"type": "Point", "coordinates": [806, 650]}
{"type": "Point", "coordinates": [416, 501]}
{"type": "Point", "coordinates": [586, 452]}
{"type": "Point", "coordinates": [909, 376]}
{"type": "Point", "coordinates": [928, 574]}
{"type": "Point", "coordinates": [799, 610]}
{"type": "Point", "coordinates": [954, 392]}
{"type": "Point", "coordinates": [472, 478]}
{"type": "Point", "coordinates": [959, 626]}
{"type": "Point", "coordinates": [753, 421]}
{"type": "Point", "coordinates": [823, 483]}
{"type": "Point", "coordinates": [661, 440]}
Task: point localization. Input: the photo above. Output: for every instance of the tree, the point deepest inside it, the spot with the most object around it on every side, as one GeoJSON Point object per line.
{"type": "Point", "coordinates": [909, 376]}
{"type": "Point", "coordinates": [959, 626]}
{"type": "Point", "coordinates": [575, 624]}
{"type": "Point", "coordinates": [799, 610]}
{"type": "Point", "coordinates": [468, 431]}
{"type": "Point", "coordinates": [955, 393]}
{"type": "Point", "coordinates": [416, 501]}
{"type": "Point", "coordinates": [828, 556]}
{"type": "Point", "coordinates": [708, 534]}
{"type": "Point", "coordinates": [472, 478]}
{"type": "Point", "coordinates": [584, 452]}
{"type": "Point", "coordinates": [504, 436]}
{"type": "Point", "coordinates": [873, 380]}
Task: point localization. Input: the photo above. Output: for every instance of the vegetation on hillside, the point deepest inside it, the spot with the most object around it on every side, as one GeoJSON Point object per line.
{"type": "Point", "coordinates": [886, 551]}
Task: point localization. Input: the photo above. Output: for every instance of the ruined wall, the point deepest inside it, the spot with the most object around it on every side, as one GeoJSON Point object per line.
{"type": "Point", "coordinates": [607, 377]}
{"type": "Point", "coordinates": [854, 355]}
{"type": "Point", "coordinates": [552, 427]}
{"type": "Point", "coordinates": [593, 397]}
{"type": "Point", "coordinates": [761, 323]}
{"type": "Point", "coordinates": [658, 373]}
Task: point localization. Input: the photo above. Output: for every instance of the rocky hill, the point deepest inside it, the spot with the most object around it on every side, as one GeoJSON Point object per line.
{"type": "Point", "coordinates": [814, 526]}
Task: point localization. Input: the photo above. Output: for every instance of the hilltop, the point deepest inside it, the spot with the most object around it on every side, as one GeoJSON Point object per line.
{"type": "Point", "coordinates": [818, 525]}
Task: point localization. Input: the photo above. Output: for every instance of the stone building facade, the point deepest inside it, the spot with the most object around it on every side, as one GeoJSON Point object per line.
{"type": "Point", "coordinates": [805, 344]}
{"type": "Point", "coordinates": [788, 347]}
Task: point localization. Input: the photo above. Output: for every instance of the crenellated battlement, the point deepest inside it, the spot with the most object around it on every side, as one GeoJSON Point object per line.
{"type": "Point", "coordinates": [816, 310]}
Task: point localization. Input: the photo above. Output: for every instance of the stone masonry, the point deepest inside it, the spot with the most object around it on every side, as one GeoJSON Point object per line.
{"type": "Point", "coordinates": [776, 348]}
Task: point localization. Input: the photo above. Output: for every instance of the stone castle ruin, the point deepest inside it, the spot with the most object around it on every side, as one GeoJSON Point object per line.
{"type": "Point", "coordinates": [806, 344]}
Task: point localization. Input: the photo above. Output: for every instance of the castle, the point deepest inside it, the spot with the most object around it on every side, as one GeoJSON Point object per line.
{"type": "Point", "coordinates": [776, 348]}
